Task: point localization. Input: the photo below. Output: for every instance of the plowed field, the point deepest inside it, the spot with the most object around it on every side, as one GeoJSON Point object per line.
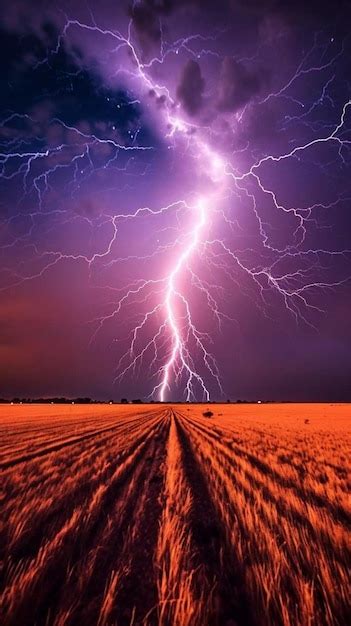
{"type": "Point", "coordinates": [155, 514]}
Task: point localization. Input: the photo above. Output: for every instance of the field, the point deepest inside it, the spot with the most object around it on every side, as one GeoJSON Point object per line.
{"type": "Point", "coordinates": [155, 514]}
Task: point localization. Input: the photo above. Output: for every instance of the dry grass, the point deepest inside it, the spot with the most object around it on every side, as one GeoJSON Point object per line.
{"type": "Point", "coordinates": [159, 515]}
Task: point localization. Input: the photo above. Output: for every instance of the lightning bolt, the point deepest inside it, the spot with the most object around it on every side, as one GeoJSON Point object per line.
{"type": "Point", "coordinates": [173, 335]}
{"type": "Point", "coordinates": [172, 294]}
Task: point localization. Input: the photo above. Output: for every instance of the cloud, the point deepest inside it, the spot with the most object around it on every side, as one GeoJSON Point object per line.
{"type": "Point", "coordinates": [146, 20]}
{"type": "Point", "coordinates": [191, 87]}
{"type": "Point", "coordinates": [237, 85]}
{"type": "Point", "coordinates": [147, 16]}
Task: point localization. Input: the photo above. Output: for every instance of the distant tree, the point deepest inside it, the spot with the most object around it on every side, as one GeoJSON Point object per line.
{"type": "Point", "coordinates": [137, 401]}
{"type": "Point", "coordinates": [124, 401]}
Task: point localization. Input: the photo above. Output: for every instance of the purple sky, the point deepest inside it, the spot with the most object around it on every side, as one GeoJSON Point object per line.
{"type": "Point", "coordinates": [175, 200]}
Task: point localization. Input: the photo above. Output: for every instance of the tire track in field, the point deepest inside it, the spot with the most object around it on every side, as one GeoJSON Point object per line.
{"type": "Point", "coordinates": [231, 603]}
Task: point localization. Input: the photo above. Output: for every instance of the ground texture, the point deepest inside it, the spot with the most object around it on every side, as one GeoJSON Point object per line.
{"type": "Point", "coordinates": [156, 514]}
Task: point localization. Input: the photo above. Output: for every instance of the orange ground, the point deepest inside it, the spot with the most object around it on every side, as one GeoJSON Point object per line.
{"type": "Point", "coordinates": [154, 514]}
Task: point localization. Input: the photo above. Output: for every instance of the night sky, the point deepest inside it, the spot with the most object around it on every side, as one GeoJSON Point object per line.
{"type": "Point", "coordinates": [175, 218]}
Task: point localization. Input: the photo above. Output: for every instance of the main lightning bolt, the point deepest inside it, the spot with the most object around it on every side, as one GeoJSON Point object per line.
{"type": "Point", "coordinates": [171, 296]}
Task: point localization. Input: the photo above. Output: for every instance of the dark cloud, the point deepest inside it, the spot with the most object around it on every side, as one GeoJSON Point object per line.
{"type": "Point", "coordinates": [237, 85]}
{"type": "Point", "coordinates": [238, 15]}
{"type": "Point", "coordinates": [191, 87]}
{"type": "Point", "coordinates": [321, 7]}
{"type": "Point", "coordinates": [148, 14]}
{"type": "Point", "coordinates": [146, 19]}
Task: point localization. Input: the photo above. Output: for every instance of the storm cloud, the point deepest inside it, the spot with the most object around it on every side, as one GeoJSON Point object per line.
{"type": "Point", "coordinates": [191, 87]}
{"type": "Point", "coordinates": [237, 85]}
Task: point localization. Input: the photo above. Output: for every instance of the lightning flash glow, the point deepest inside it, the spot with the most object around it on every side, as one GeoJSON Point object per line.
{"type": "Point", "coordinates": [166, 337]}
